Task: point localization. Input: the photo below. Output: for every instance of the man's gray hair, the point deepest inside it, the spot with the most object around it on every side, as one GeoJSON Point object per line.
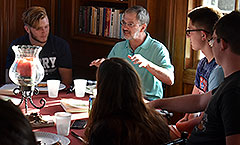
{"type": "Point", "coordinates": [142, 14]}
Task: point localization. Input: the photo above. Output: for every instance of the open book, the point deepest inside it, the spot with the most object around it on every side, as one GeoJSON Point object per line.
{"type": "Point", "coordinates": [74, 105]}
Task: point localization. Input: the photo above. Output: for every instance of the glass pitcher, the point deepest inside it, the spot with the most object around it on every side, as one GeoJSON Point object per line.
{"type": "Point", "coordinates": [26, 69]}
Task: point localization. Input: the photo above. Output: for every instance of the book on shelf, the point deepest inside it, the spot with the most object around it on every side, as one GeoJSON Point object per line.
{"type": "Point", "coordinates": [93, 20]}
{"type": "Point", "coordinates": [103, 20]}
{"type": "Point", "coordinates": [107, 21]}
{"type": "Point", "coordinates": [116, 23]}
{"type": "Point", "coordinates": [89, 18]}
{"type": "Point", "coordinates": [85, 22]}
{"type": "Point", "coordinates": [81, 22]}
{"type": "Point", "coordinates": [120, 27]}
{"type": "Point", "coordinates": [97, 20]}
{"type": "Point", "coordinates": [100, 21]}
{"type": "Point", "coordinates": [111, 25]}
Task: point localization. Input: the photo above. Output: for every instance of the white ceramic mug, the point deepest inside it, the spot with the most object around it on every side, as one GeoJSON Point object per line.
{"type": "Point", "coordinates": [80, 87]}
{"type": "Point", "coordinates": [53, 87]}
{"type": "Point", "coordinates": [63, 121]}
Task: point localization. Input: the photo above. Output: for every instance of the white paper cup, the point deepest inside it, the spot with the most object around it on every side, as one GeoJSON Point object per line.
{"type": "Point", "coordinates": [63, 121]}
{"type": "Point", "coordinates": [53, 87]}
{"type": "Point", "coordinates": [95, 92]}
{"type": "Point", "coordinates": [80, 87]}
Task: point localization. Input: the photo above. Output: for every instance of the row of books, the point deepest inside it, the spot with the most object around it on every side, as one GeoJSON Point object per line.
{"type": "Point", "coordinates": [100, 21]}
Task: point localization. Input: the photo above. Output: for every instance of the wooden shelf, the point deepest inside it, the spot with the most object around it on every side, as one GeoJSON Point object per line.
{"type": "Point", "coordinates": [88, 37]}
{"type": "Point", "coordinates": [96, 39]}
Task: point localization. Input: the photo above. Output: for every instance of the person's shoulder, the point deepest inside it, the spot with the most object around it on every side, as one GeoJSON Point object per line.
{"type": "Point", "coordinates": [20, 40]}
{"type": "Point", "coordinates": [218, 68]}
{"type": "Point", "coordinates": [234, 77]}
{"type": "Point", "coordinates": [57, 40]}
{"type": "Point", "coordinates": [55, 37]}
{"type": "Point", "coordinates": [152, 40]}
{"type": "Point", "coordinates": [231, 83]}
{"type": "Point", "coordinates": [155, 43]}
{"type": "Point", "coordinates": [201, 63]}
{"type": "Point", "coordinates": [121, 44]}
{"type": "Point", "coordinates": [216, 77]}
{"type": "Point", "coordinates": [203, 60]}
{"type": "Point", "coordinates": [217, 72]}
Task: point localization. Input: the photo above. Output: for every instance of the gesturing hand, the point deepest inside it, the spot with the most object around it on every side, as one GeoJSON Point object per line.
{"type": "Point", "coordinates": [139, 59]}
{"type": "Point", "coordinates": [97, 62]}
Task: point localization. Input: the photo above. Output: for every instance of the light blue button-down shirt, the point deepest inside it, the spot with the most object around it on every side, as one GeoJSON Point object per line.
{"type": "Point", "coordinates": [153, 51]}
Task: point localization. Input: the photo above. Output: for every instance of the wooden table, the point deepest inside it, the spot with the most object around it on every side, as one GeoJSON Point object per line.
{"type": "Point", "coordinates": [52, 106]}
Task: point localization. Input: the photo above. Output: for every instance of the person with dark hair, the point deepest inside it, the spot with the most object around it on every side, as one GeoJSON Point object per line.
{"type": "Point", "coordinates": [55, 55]}
{"type": "Point", "coordinates": [119, 115]}
{"type": "Point", "coordinates": [15, 128]}
{"type": "Point", "coordinates": [220, 124]}
{"type": "Point", "coordinates": [209, 75]}
{"type": "Point", "coordinates": [149, 57]}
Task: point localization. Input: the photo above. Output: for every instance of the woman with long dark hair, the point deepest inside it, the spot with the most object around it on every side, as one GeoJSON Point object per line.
{"type": "Point", "coordinates": [15, 128]}
{"type": "Point", "coordinates": [119, 115]}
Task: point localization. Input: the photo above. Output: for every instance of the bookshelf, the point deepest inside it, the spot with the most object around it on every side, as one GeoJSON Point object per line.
{"type": "Point", "coordinates": [90, 34]}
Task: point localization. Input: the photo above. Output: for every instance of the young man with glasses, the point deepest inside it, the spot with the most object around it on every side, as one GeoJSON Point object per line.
{"type": "Point", "coordinates": [202, 20]}
{"type": "Point", "coordinates": [208, 75]}
{"type": "Point", "coordinates": [148, 56]}
{"type": "Point", "coordinates": [220, 124]}
{"type": "Point", "coordinates": [55, 55]}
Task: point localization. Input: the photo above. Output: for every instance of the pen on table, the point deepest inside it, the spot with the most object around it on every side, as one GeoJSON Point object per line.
{"type": "Point", "coordinates": [79, 137]}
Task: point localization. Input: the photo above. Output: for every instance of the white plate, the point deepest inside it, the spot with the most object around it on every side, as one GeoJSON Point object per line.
{"type": "Point", "coordinates": [46, 138]}
{"type": "Point", "coordinates": [64, 140]}
{"type": "Point", "coordinates": [45, 89]}
{"type": "Point", "coordinates": [15, 101]}
{"type": "Point", "coordinates": [51, 138]}
{"type": "Point", "coordinates": [7, 89]}
{"type": "Point", "coordinates": [89, 89]}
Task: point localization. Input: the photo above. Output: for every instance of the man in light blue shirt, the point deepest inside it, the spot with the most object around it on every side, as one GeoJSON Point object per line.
{"type": "Point", "coordinates": [148, 56]}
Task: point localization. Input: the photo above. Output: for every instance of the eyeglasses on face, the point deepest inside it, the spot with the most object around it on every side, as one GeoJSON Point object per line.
{"type": "Point", "coordinates": [131, 25]}
{"type": "Point", "coordinates": [211, 41]}
{"type": "Point", "coordinates": [188, 31]}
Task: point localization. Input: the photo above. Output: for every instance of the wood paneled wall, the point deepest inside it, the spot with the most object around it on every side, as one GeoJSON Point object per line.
{"type": "Point", "coordinates": [168, 24]}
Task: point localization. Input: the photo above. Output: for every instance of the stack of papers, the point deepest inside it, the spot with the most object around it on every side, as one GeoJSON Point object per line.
{"type": "Point", "coordinates": [74, 105]}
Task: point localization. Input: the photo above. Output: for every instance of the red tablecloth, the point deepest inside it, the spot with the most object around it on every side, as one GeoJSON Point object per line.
{"type": "Point", "coordinates": [52, 106]}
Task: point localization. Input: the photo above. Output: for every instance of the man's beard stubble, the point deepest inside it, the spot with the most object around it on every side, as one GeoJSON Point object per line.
{"type": "Point", "coordinates": [34, 38]}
